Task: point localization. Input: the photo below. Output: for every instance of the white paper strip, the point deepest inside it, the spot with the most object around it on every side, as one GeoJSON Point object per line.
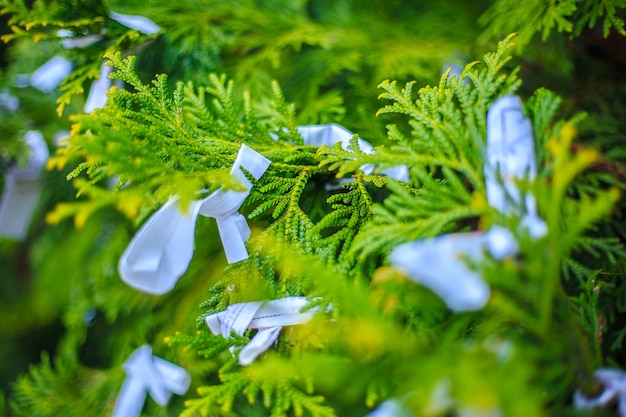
{"type": "Point", "coordinates": [614, 382]}
{"type": "Point", "coordinates": [511, 153]}
{"type": "Point", "coordinates": [64, 33]}
{"type": "Point", "coordinates": [71, 41]}
{"type": "Point", "coordinates": [160, 252]}
{"type": "Point", "coordinates": [145, 374]}
{"type": "Point", "coordinates": [21, 189]}
{"type": "Point", "coordinates": [441, 264]}
{"type": "Point", "coordinates": [49, 75]}
{"type": "Point", "coordinates": [269, 317]}
{"type": "Point", "coordinates": [330, 134]}
{"type": "Point", "coordinates": [97, 94]}
{"type": "Point", "coordinates": [140, 23]}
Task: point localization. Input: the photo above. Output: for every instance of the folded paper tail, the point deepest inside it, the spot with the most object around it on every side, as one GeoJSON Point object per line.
{"type": "Point", "coordinates": [176, 378]}
{"type": "Point", "coordinates": [49, 75]}
{"type": "Point", "coordinates": [258, 344]}
{"type": "Point", "coordinates": [255, 163]}
{"type": "Point", "coordinates": [234, 235]}
{"type": "Point", "coordinates": [17, 208]}
{"type": "Point", "coordinates": [614, 383]}
{"type": "Point", "coordinates": [97, 97]}
{"type": "Point", "coordinates": [159, 253]}
{"type": "Point", "coordinates": [441, 264]}
{"type": "Point", "coordinates": [511, 156]}
{"type": "Point", "coordinates": [21, 190]}
{"type": "Point", "coordinates": [131, 399]}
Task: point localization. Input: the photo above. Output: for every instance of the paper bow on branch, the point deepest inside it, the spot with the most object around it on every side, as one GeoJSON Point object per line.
{"type": "Point", "coordinates": [511, 153]}
{"type": "Point", "coordinates": [614, 383]}
{"type": "Point", "coordinates": [146, 373]}
{"type": "Point", "coordinates": [268, 317]}
{"type": "Point", "coordinates": [441, 264]}
{"type": "Point", "coordinates": [48, 76]}
{"type": "Point", "coordinates": [330, 134]}
{"type": "Point", "coordinates": [21, 189]}
{"type": "Point", "coordinates": [160, 252]}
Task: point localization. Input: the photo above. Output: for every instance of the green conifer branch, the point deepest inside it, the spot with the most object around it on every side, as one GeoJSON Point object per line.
{"type": "Point", "coordinates": [66, 388]}
{"type": "Point", "coordinates": [277, 393]}
{"type": "Point", "coordinates": [544, 17]}
{"type": "Point", "coordinates": [41, 20]}
{"type": "Point", "coordinates": [184, 142]}
{"type": "Point", "coordinates": [351, 210]}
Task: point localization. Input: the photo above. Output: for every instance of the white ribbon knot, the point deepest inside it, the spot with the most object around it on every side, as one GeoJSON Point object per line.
{"type": "Point", "coordinates": [148, 374]}
{"type": "Point", "coordinates": [160, 252]}
{"type": "Point", "coordinates": [21, 189]}
{"type": "Point", "coordinates": [511, 152]}
{"type": "Point", "coordinates": [614, 382]}
{"type": "Point", "coordinates": [268, 317]}
{"type": "Point", "coordinates": [441, 263]}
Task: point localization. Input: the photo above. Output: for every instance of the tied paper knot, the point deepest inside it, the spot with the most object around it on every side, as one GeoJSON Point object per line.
{"type": "Point", "coordinates": [441, 264]}
{"type": "Point", "coordinates": [330, 134]}
{"type": "Point", "coordinates": [614, 382]}
{"type": "Point", "coordinates": [160, 252]}
{"type": "Point", "coordinates": [511, 153]}
{"type": "Point", "coordinates": [21, 189]}
{"type": "Point", "coordinates": [146, 373]}
{"type": "Point", "coordinates": [268, 317]}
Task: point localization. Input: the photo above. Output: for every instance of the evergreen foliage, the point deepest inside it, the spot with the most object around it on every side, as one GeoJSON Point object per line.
{"type": "Point", "coordinates": [321, 226]}
{"type": "Point", "coordinates": [544, 17]}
